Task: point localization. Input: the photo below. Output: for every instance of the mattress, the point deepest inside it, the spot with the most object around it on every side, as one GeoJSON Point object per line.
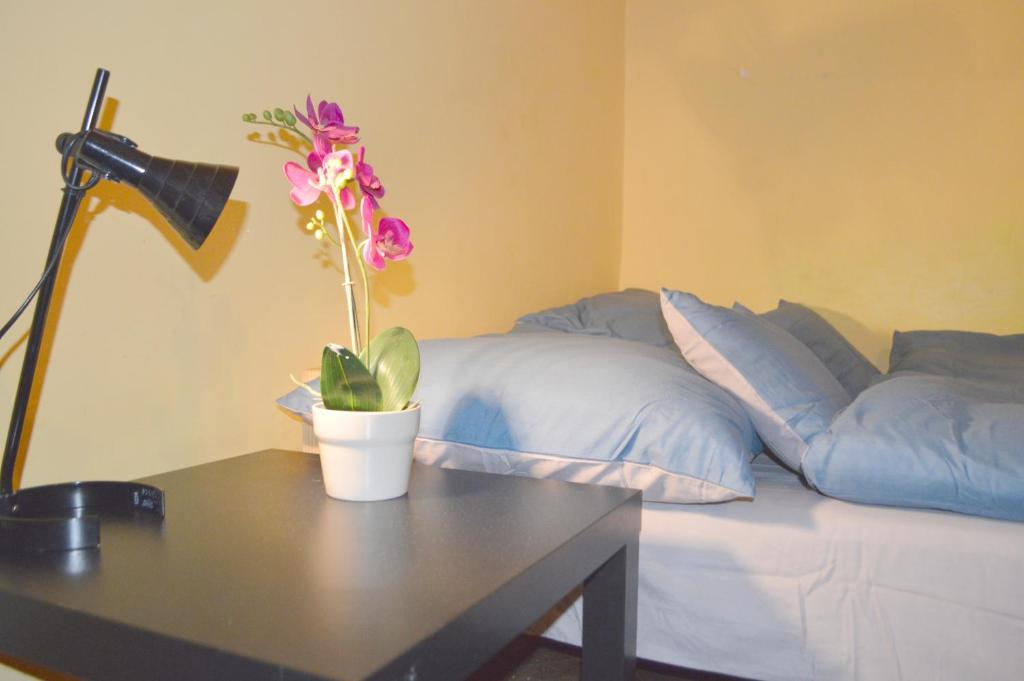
{"type": "Point", "coordinates": [795, 585]}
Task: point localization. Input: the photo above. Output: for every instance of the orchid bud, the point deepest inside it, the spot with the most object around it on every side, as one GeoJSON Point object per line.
{"type": "Point", "coordinates": [319, 234]}
{"type": "Point", "coordinates": [289, 118]}
{"type": "Point", "coordinates": [319, 215]}
{"type": "Point", "coordinates": [279, 115]}
{"type": "Point", "coordinates": [267, 116]}
{"type": "Point", "coordinates": [310, 226]}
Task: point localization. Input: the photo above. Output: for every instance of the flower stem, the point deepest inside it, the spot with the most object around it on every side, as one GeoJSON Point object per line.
{"type": "Point", "coordinates": [330, 237]}
{"type": "Point", "coordinates": [366, 283]}
{"type": "Point", "coordinates": [350, 296]}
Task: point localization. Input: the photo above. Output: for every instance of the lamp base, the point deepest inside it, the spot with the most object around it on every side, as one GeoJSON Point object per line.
{"type": "Point", "coordinates": [64, 517]}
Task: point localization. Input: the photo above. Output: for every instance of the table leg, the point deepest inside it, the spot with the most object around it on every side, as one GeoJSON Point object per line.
{"type": "Point", "coordinates": [609, 619]}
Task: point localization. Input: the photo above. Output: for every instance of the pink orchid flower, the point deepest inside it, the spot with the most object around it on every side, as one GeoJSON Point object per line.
{"type": "Point", "coordinates": [328, 121]}
{"type": "Point", "coordinates": [336, 169]}
{"type": "Point", "coordinates": [367, 207]}
{"type": "Point", "coordinates": [390, 241]}
{"type": "Point", "coordinates": [321, 147]}
{"type": "Point", "coordinates": [368, 182]}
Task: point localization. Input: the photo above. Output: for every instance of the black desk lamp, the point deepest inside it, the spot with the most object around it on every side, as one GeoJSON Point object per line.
{"type": "Point", "coordinates": [191, 196]}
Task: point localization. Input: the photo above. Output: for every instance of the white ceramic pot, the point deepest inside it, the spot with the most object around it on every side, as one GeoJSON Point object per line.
{"type": "Point", "coordinates": [366, 455]}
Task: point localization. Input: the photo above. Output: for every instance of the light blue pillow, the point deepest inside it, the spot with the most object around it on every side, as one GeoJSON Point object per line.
{"type": "Point", "coordinates": [790, 395]}
{"type": "Point", "coordinates": [633, 314]}
{"type": "Point", "coordinates": [927, 441]}
{"type": "Point", "coordinates": [300, 402]}
{"type": "Point", "coordinates": [979, 356]}
{"type": "Point", "coordinates": [583, 409]}
{"type": "Point", "coordinates": [852, 369]}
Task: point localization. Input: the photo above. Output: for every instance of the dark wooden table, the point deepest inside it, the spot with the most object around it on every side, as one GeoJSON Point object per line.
{"type": "Point", "coordinates": [256, 574]}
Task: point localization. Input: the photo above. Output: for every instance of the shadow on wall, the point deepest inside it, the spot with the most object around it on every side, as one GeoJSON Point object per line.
{"type": "Point", "coordinates": [205, 262]}
{"type": "Point", "coordinates": [393, 282]}
{"type": "Point", "coordinates": [873, 343]}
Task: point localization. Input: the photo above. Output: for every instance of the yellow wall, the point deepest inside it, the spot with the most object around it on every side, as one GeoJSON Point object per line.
{"type": "Point", "coordinates": [860, 157]}
{"type": "Point", "coordinates": [496, 128]}
{"type": "Point", "coordinates": [865, 158]}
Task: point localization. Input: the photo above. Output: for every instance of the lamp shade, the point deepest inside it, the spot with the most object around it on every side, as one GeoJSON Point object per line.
{"type": "Point", "coordinates": [190, 196]}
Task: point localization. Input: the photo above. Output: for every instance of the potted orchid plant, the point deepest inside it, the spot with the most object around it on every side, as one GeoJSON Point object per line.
{"type": "Point", "coordinates": [364, 421]}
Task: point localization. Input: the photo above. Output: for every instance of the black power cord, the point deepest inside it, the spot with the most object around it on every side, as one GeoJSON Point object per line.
{"type": "Point", "coordinates": [47, 272]}
{"type": "Point", "coordinates": [69, 186]}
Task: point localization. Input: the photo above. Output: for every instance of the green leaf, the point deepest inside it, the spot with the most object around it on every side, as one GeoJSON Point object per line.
{"type": "Point", "coordinates": [345, 383]}
{"type": "Point", "coordinates": [395, 364]}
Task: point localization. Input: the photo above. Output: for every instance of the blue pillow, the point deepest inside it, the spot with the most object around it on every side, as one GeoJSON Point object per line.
{"type": "Point", "coordinates": [790, 395]}
{"type": "Point", "coordinates": [852, 369]}
{"type": "Point", "coordinates": [633, 314]}
{"type": "Point", "coordinates": [980, 356]}
{"type": "Point", "coordinates": [927, 441]}
{"type": "Point", "coordinates": [583, 409]}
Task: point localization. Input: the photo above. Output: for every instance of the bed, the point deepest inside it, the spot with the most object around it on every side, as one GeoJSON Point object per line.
{"type": "Point", "coordinates": [798, 516]}
{"type": "Point", "coordinates": [795, 585]}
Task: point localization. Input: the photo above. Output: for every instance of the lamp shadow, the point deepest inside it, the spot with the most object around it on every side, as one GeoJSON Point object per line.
{"type": "Point", "coordinates": [205, 262]}
{"type": "Point", "coordinates": [18, 342]}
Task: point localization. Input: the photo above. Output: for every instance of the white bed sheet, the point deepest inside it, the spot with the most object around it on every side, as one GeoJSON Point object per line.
{"type": "Point", "coordinates": [795, 585]}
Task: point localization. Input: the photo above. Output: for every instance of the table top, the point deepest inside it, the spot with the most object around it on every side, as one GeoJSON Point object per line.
{"type": "Point", "coordinates": [255, 565]}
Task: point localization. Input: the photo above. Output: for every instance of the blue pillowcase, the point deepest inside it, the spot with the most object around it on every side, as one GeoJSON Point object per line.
{"type": "Point", "coordinates": [300, 402]}
{"type": "Point", "coordinates": [633, 314]}
{"type": "Point", "coordinates": [584, 409]}
{"type": "Point", "coordinates": [790, 395]}
{"type": "Point", "coordinates": [927, 441]}
{"type": "Point", "coordinates": [852, 369]}
{"type": "Point", "coordinates": [978, 356]}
